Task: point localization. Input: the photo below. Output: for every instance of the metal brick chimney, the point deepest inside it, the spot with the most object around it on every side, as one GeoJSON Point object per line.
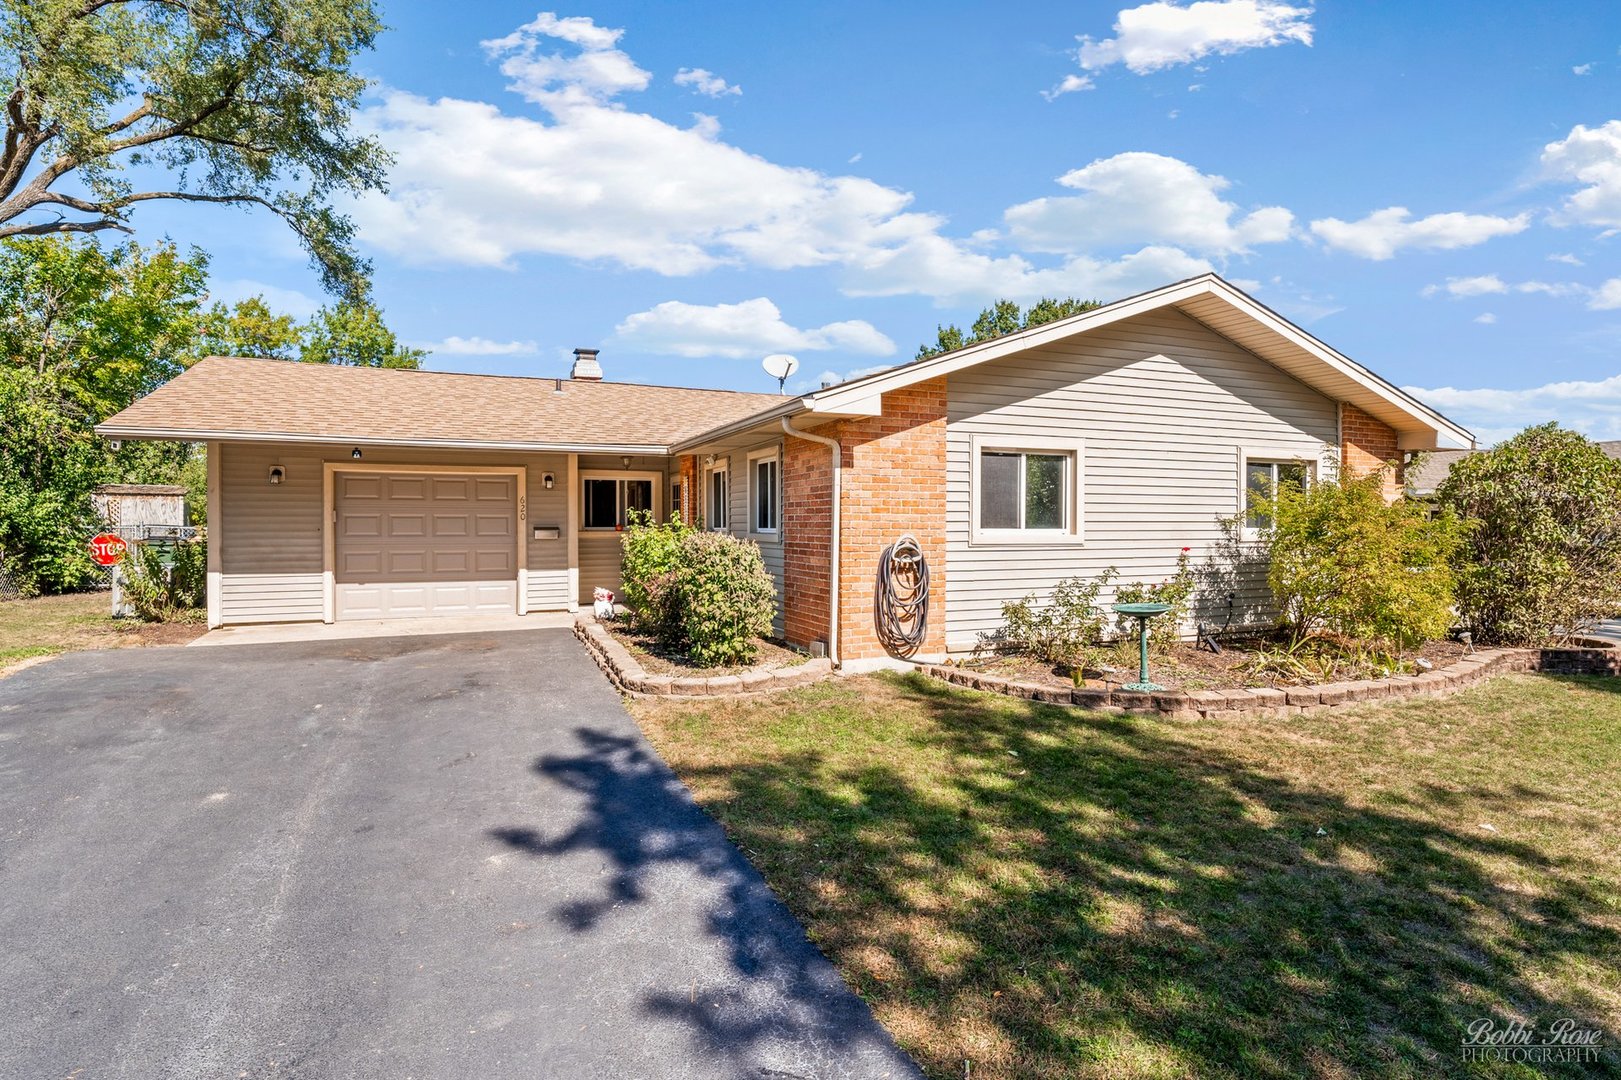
{"type": "Point", "coordinates": [586, 368]}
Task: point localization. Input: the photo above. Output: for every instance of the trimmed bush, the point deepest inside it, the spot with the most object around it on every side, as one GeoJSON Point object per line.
{"type": "Point", "coordinates": [720, 596]}
{"type": "Point", "coordinates": [1542, 557]}
{"type": "Point", "coordinates": [1177, 590]}
{"type": "Point", "coordinates": [707, 594]}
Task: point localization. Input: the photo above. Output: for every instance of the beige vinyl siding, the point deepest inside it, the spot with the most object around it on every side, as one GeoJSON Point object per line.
{"type": "Point", "coordinates": [1164, 407]}
{"type": "Point", "coordinates": [270, 536]}
{"type": "Point", "coordinates": [600, 550]}
{"type": "Point", "coordinates": [741, 524]}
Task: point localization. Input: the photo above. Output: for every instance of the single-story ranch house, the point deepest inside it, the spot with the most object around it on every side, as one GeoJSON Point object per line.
{"type": "Point", "coordinates": [1116, 437]}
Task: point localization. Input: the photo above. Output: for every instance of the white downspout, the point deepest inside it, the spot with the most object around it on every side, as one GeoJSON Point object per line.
{"type": "Point", "coordinates": [833, 587]}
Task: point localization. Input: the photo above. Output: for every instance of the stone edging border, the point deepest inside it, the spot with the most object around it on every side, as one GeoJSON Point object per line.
{"type": "Point", "coordinates": [1269, 702]}
{"type": "Point", "coordinates": [629, 677]}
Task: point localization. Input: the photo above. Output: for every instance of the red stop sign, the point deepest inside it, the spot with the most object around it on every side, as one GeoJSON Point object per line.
{"type": "Point", "coordinates": [107, 549]}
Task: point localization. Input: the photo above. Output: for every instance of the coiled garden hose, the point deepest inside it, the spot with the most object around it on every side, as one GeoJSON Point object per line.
{"type": "Point", "coordinates": [901, 599]}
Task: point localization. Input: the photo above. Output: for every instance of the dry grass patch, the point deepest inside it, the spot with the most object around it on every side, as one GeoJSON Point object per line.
{"type": "Point", "coordinates": [45, 625]}
{"type": "Point", "coordinates": [1021, 890]}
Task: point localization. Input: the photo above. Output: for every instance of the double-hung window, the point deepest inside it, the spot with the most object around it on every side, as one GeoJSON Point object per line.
{"type": "Point", "coordinates": [1026, 493]}
{"type": "Point", "coordinates": [765, 491]}
{"type": "Point", "coordinates": [1263, 478]}
{"type": "Point", "coordinates": [717, 510]}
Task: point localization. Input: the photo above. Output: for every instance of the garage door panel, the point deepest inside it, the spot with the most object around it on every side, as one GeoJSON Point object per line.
{"type": "Point", "coordinates": [450, 525]}
{"type": "Point", "coordinates": [426, 545]}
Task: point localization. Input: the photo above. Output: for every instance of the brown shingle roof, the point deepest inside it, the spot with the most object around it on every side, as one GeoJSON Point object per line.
{"type": "Point", "coordinates": [226, 397]}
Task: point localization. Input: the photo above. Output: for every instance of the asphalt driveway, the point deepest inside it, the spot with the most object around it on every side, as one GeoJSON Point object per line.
{"type": "Point", "coordinates": [417, 857]}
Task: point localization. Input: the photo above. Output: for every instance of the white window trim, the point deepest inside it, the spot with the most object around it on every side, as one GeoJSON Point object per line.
{"type": "Point", "coordinates": [1074, 533]}
{"type": "Point", "coordinates": [622, 474]}
{"type": "Point", "coordinates": [770, 453]}
{"type": "Point", "coordinates": [1269, 454]}
{"type": "Point", "coordinates": [720, 465]}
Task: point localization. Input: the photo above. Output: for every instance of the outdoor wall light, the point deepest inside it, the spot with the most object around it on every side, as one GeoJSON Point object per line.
{"type": "Point", "coordinates": [548, 481]}
{"type": "Point", "coordinates": [624, 459]}
{"type": "Point", "coordinates": [355, 453]}
{"type": "Point", "coordinates": [277, 474]}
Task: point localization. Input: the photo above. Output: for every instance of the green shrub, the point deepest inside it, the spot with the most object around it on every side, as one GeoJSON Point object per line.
{"type": "Point", "coordinates": [1542, 556]}
{"type": "Point", "coordinates": [1063, 631]}
{"type": "Point", "coordinates": [176, 592]}
{"type": "Point", "coordinates": [1176, 590]}
{"type": "Point", "coordinates": [717, 599]}
{"type": "Point", "coordinates": [1343, 560]}
{"type": "Point", "coordinates": [650, 551]}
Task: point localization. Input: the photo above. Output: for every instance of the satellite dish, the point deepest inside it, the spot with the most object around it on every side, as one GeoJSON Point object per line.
{"type": "Point", "coordinates": [780, 366]}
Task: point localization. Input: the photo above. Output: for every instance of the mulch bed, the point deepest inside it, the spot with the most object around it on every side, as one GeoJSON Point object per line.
{"type": "Point", "coordinates": [656, 659]}
{"type": "Point", "coordinates": [1185, 667]}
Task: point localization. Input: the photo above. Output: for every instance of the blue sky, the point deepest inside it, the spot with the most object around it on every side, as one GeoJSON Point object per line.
{"type": "Point", "coordinates": [1434, 189]}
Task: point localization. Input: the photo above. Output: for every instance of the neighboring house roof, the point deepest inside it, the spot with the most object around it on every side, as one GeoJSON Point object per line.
{"type": "Point", "coordinates": [1208, 299]}
{"type": "Point", "coordinates": [261, 400]}
{"type": "Point", "coordinates": [1437, 466]}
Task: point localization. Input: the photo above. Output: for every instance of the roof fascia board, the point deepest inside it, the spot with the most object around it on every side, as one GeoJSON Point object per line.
{"type": "Point", "coordinates": [195, 435]}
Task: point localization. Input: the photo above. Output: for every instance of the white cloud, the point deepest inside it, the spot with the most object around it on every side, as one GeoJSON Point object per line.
{"type": "Point", "coordinates": [1161, 35]}
{"type": "Point", "coordinates": [833, 378]}
{"type": "Point", "coordinates": [941, 268]}
{"type": "Point", "coordinates": [705, 82]}
{"type": "Point", "coordinates": [477, 346]}
{"type": "Point", "coordinates": [1482, 285]}
{"type": "Point", "coordinates": [1607, 297]}
{"type": "Point", "coordinates": [1141, 197]}
{"type": "Point", "coordinates": [1590, 157]}
{"type": "Point", "coordinates": [1485, 318]}
{"type": "Point", "coordinates": [596, 73]}
{"type": "Point", "coordinates": [1593, 407]}
{"type": "Point", "coordinates": [751, 328]}
{"type": "Point", "coordinates": [1384, 232]}
{"type": "Point", "coordinates": [1569, 260]}
{"type": "Point", "coordinates": [1582, 69]}
{"type": "Point", "coordinates": [1068, 85]}
{"type": "Point", "coordinates": [591, 179]}
{"type": "Point", "coordinates": [281, 301]}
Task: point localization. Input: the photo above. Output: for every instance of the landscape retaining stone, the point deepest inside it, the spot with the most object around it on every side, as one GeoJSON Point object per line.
{"type": "Point", "coordinates": [622, 668]}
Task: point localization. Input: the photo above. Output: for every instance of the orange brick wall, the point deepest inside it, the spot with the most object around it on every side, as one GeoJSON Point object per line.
{"type": "Point", "coordinates": [689, 487]}
{"type": "Point", "coordinates": [807, 530]}
{"type": "Point", "coordinates": [894, 482]}
{"type": "Point", "coordinates": [1367, 444]}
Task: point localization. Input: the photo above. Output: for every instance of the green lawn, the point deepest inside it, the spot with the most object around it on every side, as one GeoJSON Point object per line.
{"type": "Point", "coordinates": [51, 624]}
{"type": "Point", "coordinates": [1028, 891]}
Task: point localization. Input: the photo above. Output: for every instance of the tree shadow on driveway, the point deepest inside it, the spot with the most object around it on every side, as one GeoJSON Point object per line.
{"type": "Point", "coordinates": [770, 1004]}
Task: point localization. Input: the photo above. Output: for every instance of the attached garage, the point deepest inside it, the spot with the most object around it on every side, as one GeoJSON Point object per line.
{"type": "Point", "coordinates": [413, 545]}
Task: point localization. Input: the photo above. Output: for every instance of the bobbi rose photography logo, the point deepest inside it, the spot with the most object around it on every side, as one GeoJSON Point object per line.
{"type": "Point", "coordinates": [1564, 1041]}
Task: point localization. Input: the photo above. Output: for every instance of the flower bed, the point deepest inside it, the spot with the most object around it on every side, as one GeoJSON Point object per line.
{"type": "Point", "coordinates": [779, 670]}
{"type": "Point", "coordinates": [1230, 704]}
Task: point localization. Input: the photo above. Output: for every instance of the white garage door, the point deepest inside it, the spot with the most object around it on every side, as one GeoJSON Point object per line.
{"type": "Point", "coordinates": [417, 545]}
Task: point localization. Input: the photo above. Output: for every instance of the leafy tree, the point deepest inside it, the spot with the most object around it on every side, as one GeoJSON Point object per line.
{"type": "Point", "coordinates": [84, 330]}
{"type": "Point", "coordinates": [1000, 319]}
{"type": "Point", "coordinates": [248, 328]}
{"type": "Point", "coordinates": [1543, 555]}
{"type": "Point", "coordinates": [242, 102]}
{"type": "Point", "coordinates": [1344, 561]}
{"type": "Point", "coordinates": [352, 334]}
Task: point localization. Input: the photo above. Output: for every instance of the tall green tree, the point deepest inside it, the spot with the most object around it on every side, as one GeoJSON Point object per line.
{"type": "Point", "coordinates": [241, 102]}
{"type": "Point", "coordinates": [352, 334]}
{"type": "Point", "coordinates": [248, 328]}
{"type": "Point", "coordinates": [1000, 319]}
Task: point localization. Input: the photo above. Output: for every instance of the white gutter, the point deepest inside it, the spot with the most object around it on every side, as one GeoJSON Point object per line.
{"type": "Point", "coordinates": [113, 431]}
{"type": "Point", "coordinates": [833, 586]}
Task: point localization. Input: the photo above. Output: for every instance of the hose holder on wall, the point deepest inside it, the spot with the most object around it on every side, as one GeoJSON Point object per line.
{"type": "Point", "coordinates": [901, 599]}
